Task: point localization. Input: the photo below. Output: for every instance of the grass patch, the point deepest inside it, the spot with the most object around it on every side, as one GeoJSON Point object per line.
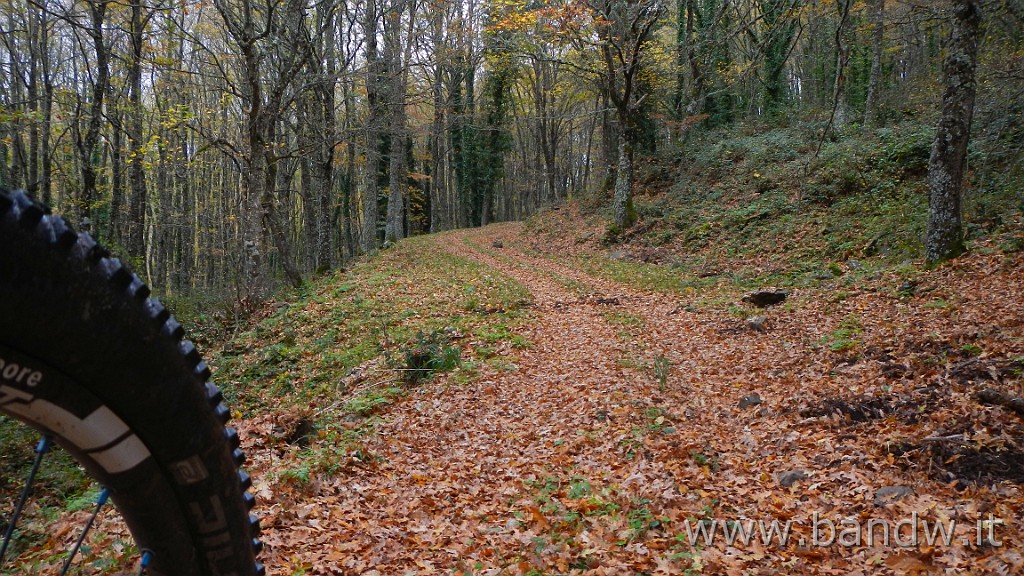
{"type": "Point", "coordinates": [399, 305]}
{"type": "Point", "coordinates": [846, 337]}
{"type": "Point", "coordinates": [622, 318]}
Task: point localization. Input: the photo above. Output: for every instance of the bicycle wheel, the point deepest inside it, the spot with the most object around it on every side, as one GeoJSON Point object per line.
{"type": "Point", "coordinates": [88, 358]}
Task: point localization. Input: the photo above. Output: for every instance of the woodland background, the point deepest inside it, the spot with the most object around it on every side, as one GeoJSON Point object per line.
{"type": "Point", "coordinates": [558, 395]}
{"type": "Point", "coordinates": [227, 146]}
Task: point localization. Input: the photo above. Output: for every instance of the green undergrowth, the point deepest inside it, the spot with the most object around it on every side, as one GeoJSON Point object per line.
{"type": "Point", "coordinates": [415, 307]}
{"type": "Point", "coordinates": [60, 487]}
{"type": "Point", "coordinates": [755, 205]}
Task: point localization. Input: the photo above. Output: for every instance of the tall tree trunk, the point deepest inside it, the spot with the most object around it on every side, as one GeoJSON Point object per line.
{"type": "Point", "coordinates": [87, 143]}
{"type": "Point", "coordinates": [16, 100]}
{"type": "Point", "coordinates": [114, 222]}
{"type": "Point", "coordinates": [309, 122]}
{"type": "Point", "coordinates": [682, 49]}
{"type": "Point", "coordinates": [698, 77]}
{"type": "Point", "coordinates": [348, 182]}
{"type": "Point", "coordinates": [948, 158]}
{"type": "Point", "coordinates": [438, 182]}
{"type": "Point", "coordinates": [839, 109]}
{"type": "Point", "coordinates": [394, 228]}
{"type": "Point", "coordinates": [609, 138]}
{"type": "Point", "coordinates": [158, 244]}
{"type": "Point", "coordinates": [626, 30]}
{"type": "Point", "coordinates": [46, 175]}
{"type": "Point", "coordinates": [373, 121]}
{"type": "Point", "coordinates": [323, 165]}
{"type": "Point", "coordinates": [35, 53]}
{"type": "Point", "coordinates": [470, 135]}
{"type": "Point", "coordinates": [136, 145]}
{"type": "Point", "coordinates": [875, 77]}
{"type": "Point", "coordinates": [264, 108]}
{"type": "Point", "coordinates": [275, 223]}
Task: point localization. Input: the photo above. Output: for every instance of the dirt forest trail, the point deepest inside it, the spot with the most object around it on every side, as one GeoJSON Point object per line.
{"type": "Point", "coordinates": [452, 489]}
{"type": "Point", "coordinates": [574, 456]}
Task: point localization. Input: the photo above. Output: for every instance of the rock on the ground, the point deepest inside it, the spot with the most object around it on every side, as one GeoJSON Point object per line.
{"type": "Point", "coordinates": [763, 298]}
{"type": "Point", "coordinates": [498, 243]}
{"type": "Point", "coordinates": [757, 323]}
{"type": "Point", "coordinates": [790, 477]}
{"type": "Point", "coordinates": [750, 400]}
{"type": "Point", "coordinates": [889, 494]}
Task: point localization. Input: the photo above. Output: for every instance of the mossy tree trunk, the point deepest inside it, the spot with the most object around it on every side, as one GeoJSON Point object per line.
{"type": "Point", "coordinates": [949, 150]}
{"type": "Point", "coordinates": [623, 30]}
{"type": "Point", "coordinates": [622, 202]}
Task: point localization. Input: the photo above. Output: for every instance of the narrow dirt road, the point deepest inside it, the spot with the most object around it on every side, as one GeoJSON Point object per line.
{"type": "Point", "coordinates": [469, 475]}
{"type": "Point", "coordinates": [600, 443]}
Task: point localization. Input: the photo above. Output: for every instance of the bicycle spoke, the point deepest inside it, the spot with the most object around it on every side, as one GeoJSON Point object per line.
{"type": "Point", "coordinates": [100, 502]}
{"type": "Point", "coordinates": [41, 449]}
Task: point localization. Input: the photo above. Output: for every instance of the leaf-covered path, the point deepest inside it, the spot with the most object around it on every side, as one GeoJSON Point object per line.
{"type": "Point", "coordinates": [462, 471]}
{"type": "Point", "coordinates": [595, 447]}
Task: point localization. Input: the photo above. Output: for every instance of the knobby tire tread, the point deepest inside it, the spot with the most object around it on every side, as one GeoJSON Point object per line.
{"type": "Point", "coordinates": [87, 324]}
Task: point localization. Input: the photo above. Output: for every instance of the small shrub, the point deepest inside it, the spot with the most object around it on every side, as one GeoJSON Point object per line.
{"type": "Point", "coordinates": [971, 350]}
{"type": "Point", "coordinates": [431, 352]}
{"type": "Point", "coordinates": [661, 368]}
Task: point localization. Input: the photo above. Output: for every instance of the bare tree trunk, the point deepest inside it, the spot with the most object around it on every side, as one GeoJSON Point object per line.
{"type": "Point", "coordinates": [373, 86]}
{"type": "Point", "coordinates": [324, 163]}
{"type": "Point", "coordinates": [116, 119]}
{"type": "Point", "coordinates": [14, 97]}
{"type": "Point", "coordinates": [263, 111]}
{"type": "Point", "coordinates": [626, 30]}
{"type": "Point", "coordinates": [46, 175]}
{"type": "Point", "coordinates": [275, 223]}
{"type": "Point", "coordinates": [394, 228]}
{"type": "Point", "coordinates": [609, 137]}
{"type": "Point", "coordinates": [309, 122]}
{"type": "Point", "coordinates": [88, 142]}
{"type": "Point", "coordinates": [948, 158]}
{"type": "Point", "coordinates": [347, 214]}
{"type": "Point", "coordinates": [839, 109]}
{"type": "Point", "coordinates": [875, 77]}
{"type": "Point", "coordinates": [35, 51]}
{"type": "Point", "coordinates": [136, 146]}
{"type": "Point", "coordinates": [438, 182]}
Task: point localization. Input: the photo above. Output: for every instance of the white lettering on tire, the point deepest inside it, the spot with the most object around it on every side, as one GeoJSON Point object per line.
{"type": "Point", "coordinates": [101, 435]}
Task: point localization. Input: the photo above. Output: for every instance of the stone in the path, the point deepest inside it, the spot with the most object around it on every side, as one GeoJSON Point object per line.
{"type": "Point", "coordinates": [750, 400]}
{"type": "Point", "coordinates": [889, 494]}
{"type": "Point", "coordinates": [790, 477]}
{"type": "Point", "coordinates": [763, 298]}
{"type": "Point", "coordinates": [757, 323]}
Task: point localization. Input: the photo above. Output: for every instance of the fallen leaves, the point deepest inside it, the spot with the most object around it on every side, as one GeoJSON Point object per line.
{"type": "Point", "coordinates": [577, 461]}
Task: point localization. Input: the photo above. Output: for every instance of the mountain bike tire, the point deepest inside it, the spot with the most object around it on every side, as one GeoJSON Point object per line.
{"type": "Point", "coordinates": [88, 358]}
